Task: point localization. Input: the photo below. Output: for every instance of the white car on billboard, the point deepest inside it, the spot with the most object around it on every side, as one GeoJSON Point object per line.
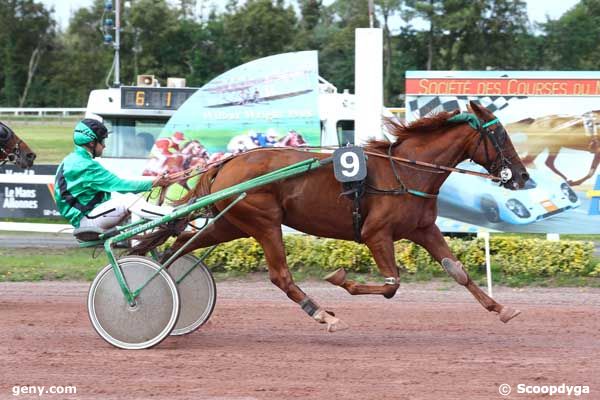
{"type": "Point", "coordinates": [544, 195]}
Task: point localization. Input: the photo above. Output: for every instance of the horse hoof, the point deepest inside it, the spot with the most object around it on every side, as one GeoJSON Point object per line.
{"type": "Point", "coordinates": [333, 324]}
{"type": "Point", "coordinates": [508, 313]}
{"type": "Point", "coordinates": [336, 325]}
{"type": "Point", "coordinates": [456, 271]}
{"type": "Point", "coordinates": [337, 277]}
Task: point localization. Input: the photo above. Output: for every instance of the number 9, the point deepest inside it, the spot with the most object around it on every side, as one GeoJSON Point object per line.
{"type": "Point", "coordinates": [350, 164]}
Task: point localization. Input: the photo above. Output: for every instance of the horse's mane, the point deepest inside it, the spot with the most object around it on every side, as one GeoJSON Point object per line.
{"type": "Point", "coordinates": [402, 131]}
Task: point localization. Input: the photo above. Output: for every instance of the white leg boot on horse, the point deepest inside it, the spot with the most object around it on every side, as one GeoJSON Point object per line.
{"type": "Point", "coordinates": [433, 241]}
{"type": "Point", "coordinates": [322, 316]}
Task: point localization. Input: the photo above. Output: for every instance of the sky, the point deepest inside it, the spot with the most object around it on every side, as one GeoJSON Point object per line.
{"type": "Point", "coordinates": [536, 9]}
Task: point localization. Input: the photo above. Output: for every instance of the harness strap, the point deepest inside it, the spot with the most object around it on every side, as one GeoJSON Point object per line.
{"type": "Point", "coordinates": [355, 190]}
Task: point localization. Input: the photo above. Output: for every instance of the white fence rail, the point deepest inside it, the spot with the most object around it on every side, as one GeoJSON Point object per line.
{"type": "Point", "coordinates": [39, 228]}
{"type": "Point", "coordinates": [42, 112]}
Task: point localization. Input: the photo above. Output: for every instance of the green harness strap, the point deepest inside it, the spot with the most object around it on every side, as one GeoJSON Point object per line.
{"type": "Point", "coordinates": [472, 120]}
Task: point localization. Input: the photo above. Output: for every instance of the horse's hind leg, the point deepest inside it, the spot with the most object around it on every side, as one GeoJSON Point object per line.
{"type": "Point", "coordinates": [279, 273]}
{"type": "Point", "coordinates": [433, 241]}
{"type": "Point", "coordinates": [265, 227]}
{"type": "Point", "coordinates": [382, 249]}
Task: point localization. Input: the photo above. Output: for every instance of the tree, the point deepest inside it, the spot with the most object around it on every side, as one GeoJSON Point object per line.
{"type": "Point", "coordinates": [387, 8]}
{"type": "Point", "coordinates": [311, 18]}
{"type": "Point", "coordinates": [80, 60]}
{"type": "Point", "coordinates": [260, 28]}
{"type": "Point", "coordinates": [572, 40]}
{"type": "Point", "coordinates": [336, 61]}
{"type": "Point", "coordinates": [432, 12]}
{"type": "Point", "coordinates": [473, 34]}
{"type": "Point", "coordinates": [26, 29]}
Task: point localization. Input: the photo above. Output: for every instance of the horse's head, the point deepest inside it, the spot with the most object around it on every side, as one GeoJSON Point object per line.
{"type": "Point", "coordinates": [14, 149]}
{"type": "Point", "coordinates": [494, 150]}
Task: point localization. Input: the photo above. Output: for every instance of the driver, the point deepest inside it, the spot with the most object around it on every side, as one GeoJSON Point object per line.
{"type": "Point", "coordinates": [83, 187]}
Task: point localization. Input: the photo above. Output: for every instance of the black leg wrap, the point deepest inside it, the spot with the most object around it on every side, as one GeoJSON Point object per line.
{"type": "Point", "coordinates": [309, 306]}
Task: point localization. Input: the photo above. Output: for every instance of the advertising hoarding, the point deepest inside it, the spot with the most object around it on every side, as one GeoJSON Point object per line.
{"type": "Point", "coordinates": [27, 200]}
{"type": "Point", "coordinates": [552, 118]}
{"type": "Point", "coordinates": [269, 102]}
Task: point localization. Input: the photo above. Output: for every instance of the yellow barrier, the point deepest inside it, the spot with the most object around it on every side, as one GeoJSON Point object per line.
{"type": "Point", "coordinates": [592, 193]}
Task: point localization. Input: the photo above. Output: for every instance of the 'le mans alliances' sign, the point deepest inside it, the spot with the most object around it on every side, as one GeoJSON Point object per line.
{"type": "Point", "coordinates": [27, 200]}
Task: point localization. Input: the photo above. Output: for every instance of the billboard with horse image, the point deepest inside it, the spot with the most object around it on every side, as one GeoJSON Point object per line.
{"type": "Point", "coordinates": [552, 118]}
{"type": "Point", "coordinates": [269, 102]}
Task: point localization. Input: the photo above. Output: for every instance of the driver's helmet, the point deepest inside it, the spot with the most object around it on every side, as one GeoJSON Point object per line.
{"type": "Point", "coordinates": [89, 130]}
{"type": "Point", "coordinates": [178, 137]}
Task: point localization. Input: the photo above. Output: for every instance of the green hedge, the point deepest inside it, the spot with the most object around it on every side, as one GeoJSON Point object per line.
{"type": "Point", "coordinates": [512, 256]}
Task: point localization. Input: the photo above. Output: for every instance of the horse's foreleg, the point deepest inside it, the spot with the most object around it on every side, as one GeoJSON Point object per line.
{"type": "Point", "coordinates": [590, 173]}
{"type": "Point", "coordinates": [382, 249]}
{"type": "Point", "coordinates": [433, 241]}
{"type": "Point", "coordinates": [550, 164]}
{"type": "Point", "coordinates": [279, 273]}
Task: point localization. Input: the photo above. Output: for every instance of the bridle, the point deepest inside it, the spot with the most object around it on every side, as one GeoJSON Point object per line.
{"type": "Point", "coordinates": [497, 137]}
{"type": "Point", "coordinates": [499, 169]}
{"type": "Point", "coordinates": [6, 135]}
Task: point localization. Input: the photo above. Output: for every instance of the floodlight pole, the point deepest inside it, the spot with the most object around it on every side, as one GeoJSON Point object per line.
{"type": "Point", "coordinates": [371, 12]}
{"type": "Point", "coordinates": [117, 81]}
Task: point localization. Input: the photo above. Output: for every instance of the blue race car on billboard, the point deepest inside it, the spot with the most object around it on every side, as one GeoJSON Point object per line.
{"type": "Point", "coordinates": [544, 196]}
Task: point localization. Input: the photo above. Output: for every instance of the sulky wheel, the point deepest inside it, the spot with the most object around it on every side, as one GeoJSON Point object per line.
{"type": "Point", "coordinates": [197, 291]}
{"type": "Point", "coordinates": [149, 320]}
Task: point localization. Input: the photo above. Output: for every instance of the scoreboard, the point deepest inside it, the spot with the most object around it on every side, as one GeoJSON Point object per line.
{"type": "Point", "coordinates": [154, 98]}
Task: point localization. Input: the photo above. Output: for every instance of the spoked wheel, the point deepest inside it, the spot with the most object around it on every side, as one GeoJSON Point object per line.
{"type": "Point", "coordinates": [143, 324]}
{"type": "Point", "coordinates": [197, 291]}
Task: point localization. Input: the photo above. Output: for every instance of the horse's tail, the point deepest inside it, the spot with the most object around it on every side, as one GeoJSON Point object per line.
{"type": "Point", "coordinates": [150, 241]}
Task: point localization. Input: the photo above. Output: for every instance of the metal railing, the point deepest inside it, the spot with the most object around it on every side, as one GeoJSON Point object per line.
{"type": "Point", "coordinates": [42, 112]}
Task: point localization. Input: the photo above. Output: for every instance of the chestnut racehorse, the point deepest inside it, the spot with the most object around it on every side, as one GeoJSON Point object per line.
{"type": "Point", "coordinates": [13, 149]}
{"type": "Point", "coordinates": [399, 202]}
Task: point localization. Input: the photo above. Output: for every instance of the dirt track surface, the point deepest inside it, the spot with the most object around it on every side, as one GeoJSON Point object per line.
{"type": "Point", "coordinates": [432, 341]}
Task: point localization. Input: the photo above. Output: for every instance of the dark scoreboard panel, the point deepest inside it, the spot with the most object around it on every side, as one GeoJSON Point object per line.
{"type": "Point", "coordinates": [154, 98]}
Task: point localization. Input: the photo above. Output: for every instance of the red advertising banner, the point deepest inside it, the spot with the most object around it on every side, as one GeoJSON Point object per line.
{"type": "Point", "coordinates": [502, 87]}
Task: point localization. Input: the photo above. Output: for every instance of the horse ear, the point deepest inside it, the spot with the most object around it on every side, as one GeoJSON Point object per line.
{"type": "Point", "coordinates": [474, 107]}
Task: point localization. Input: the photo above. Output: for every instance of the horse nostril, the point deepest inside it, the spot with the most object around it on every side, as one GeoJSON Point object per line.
{"type": "Point", "coordinates": [31, 156]}
{"type": "Point", "coordinates": [524, 176]}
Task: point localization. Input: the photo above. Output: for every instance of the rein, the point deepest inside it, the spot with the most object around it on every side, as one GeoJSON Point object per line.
{"type": "Point", "coordinates": [435, 166]}
{"type": "Point", "coordinates": [481, 128]}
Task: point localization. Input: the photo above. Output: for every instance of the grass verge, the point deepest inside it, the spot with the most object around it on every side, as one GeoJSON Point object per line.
{"type": "Point", "coordinates": [36, 264]}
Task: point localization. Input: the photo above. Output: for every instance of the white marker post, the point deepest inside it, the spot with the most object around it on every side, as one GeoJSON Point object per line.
{"type": "Point", "coordinates": [488, 262]}
{"type": "Point", "coordinates": [368, 83]}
